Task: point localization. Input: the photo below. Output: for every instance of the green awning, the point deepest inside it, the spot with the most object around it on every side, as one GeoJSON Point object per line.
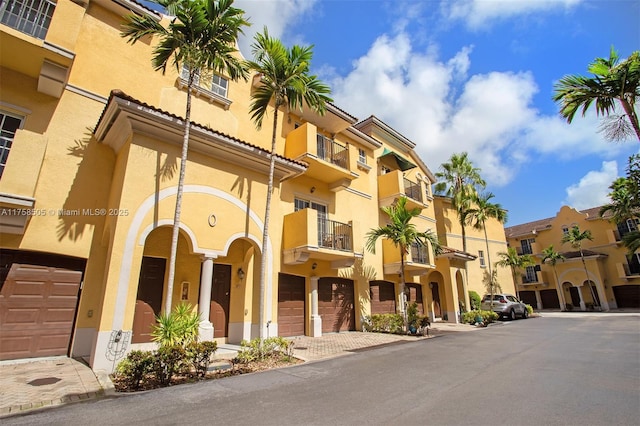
{"type": "Point", "coordinates": [403, 163]}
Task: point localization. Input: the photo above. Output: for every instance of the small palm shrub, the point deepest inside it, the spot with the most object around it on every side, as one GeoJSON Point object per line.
{"type": "Point", "coordinates": [180, 327]}
{"type": "Point", "coordinates": [529, 309]}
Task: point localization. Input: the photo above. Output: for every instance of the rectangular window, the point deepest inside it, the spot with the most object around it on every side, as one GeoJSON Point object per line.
{"type": "Point", "coordinates": [565, 230]}
{"type": "Point", "coordinates": [362, 156]}
{"type": "Point", "coordinates": [526, 245]}
{"type": "Point", "coordinates": [219, 85]}
{"type": "Point", "coordinates": [530, 274]}
{"type": "Point", "coordinates": [481, 257]}
{"type": "Point", "coordinates": [8, 127]}
{"type": "Point", "coordinates": [31, 17]}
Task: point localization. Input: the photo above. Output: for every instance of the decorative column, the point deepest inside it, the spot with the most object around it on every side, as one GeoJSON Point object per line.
{"type": "Point", "coordinates": [583, 307]}
{"type": "Point", "coordinates": [316, 320]}
{"type": "Point", "coordinates": [204, 305]}
{"type": "Point", "coordinates": [539, 300]}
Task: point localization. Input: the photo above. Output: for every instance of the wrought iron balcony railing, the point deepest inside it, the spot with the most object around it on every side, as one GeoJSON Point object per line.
{"type": "Point", "coordinates": [334, 235]}
{"type": "Point", "coordinates": [419, 254]}
{"type": "Point", "coordinates": [332, 152]}
{"type": "Point", "coordinates": [412, 190]}
{"type": "Point", "coordinates": [28, 16]}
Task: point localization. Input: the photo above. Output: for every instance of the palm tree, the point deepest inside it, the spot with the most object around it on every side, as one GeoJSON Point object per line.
{"type": "Point", "coordinates": [549, 255]}
{"type": "Point", "coordinates": [285, 81]}
{"type": "Point", "coordinates": [402, 233]}
{"type": "Point", "coordinates": [612, 81]}
{"type": "Point", "coordinates": [575, 238]}
{"type": "Point", "coordinates": [459, 180]}
{"type": "Point", "coordinates": [511, 259]}
{"type": "Point", "coordinates": [202, 38]}
{"type": "Point", "coordinates": [478, 215]}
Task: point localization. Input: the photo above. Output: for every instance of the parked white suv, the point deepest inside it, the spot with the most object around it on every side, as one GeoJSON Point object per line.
{"type": "Point", "coordinates": [505, 305]}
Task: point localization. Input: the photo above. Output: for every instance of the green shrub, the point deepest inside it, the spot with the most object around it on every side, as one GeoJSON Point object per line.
{"type": "Point", "coordinates": [180, 327]}
{"type": "Point", "coordinates": [473, 317]}
{"type": "Point", "coordinates": [474, 300]}
{"type": "Point", "coordinates": [168, 360]}
{"type": "Point", "coordinates": [529, 309]}
{"type": "Point", "coordinates": [199, 355]}
{"type": "Point", "coordinates": [133, 369]}
{"type": "Point", "coordinates": [255, 350]}
{"type": "Point", "coordinates": [384, 323]}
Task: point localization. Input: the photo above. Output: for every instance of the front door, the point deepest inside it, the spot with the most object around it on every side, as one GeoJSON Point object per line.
{"type": "Point", "coordinates": [220, 300]}
{"type": "Point", "coordinates": [575, 296]}
{"type": "Point", "coordinates": [435, 296]}
{"type": "Point", "coordinates": [149, 299]}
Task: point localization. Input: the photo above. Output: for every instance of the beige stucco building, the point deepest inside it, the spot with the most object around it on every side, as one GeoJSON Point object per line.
{"type": "Point", "coordinates": [91, 140]}
{"type": "Point", "coordinates": [613, 278]}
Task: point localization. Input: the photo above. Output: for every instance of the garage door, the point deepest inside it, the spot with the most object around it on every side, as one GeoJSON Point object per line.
{"type": "Point", "coordinates": [529, 297]}
{"type": "Point", "coordinates": [627, 296]}
{"type": "Point", "coordinates": [336, 304]}
{"type": "Point", "coordinates": [37, 310]}
{"type": "Point", "coordinates": [549, 299]}
{"type": "Point", "coordinates": [291, 297]}
{"type": "Point", "coordinates": [383, 297]}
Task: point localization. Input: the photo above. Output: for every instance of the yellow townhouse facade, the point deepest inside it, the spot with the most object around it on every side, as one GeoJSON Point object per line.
{"type": "Point", "coordinates": [91, 140]}
{"type": "Point", "coordinates": [608, 279]}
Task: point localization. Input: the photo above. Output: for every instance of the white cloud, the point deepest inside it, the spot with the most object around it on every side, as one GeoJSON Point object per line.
{"type": "Point", "coordinates": [593, 187]}
{"type": "Point", "coordinates": [276, 15]}
{"type": "Point", "coordinates": [478, 14]}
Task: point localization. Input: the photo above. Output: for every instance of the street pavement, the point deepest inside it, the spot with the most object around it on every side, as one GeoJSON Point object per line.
{"type": "Point", "coordinates": [28, 385]}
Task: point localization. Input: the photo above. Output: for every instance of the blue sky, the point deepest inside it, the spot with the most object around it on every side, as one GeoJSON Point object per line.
{"type": "Point", "coordinates": [475, 76]}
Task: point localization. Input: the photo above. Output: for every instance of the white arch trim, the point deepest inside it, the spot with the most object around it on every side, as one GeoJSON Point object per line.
{"type": "Point", "coordinates": [591, 277]}
{"type": "Point", "coordinates": [135, 229]}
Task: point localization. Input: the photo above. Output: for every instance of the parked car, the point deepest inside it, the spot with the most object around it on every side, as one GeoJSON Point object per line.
{"type": "Point", "coordinates": [505, 305]}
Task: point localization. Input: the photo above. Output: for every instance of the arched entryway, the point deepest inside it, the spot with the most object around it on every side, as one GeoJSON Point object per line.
{"type": "Point", "coordinates": [151, 291]}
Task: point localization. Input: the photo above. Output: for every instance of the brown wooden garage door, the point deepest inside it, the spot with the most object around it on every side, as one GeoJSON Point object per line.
{"type": "Point", "coordinates": [37, 310]}
{"type": "Point", "coordinates": [291, 297]}
{"type": "Point", "coordinates": [627, 296]}
{"type": "Point", "coordinates": [549, 299]}
{"type": "Point", "coordinates": [383, 297]}
{"type": "Point", "coordinates": [336, 304]}
{"type": "Point", "coordinates": [529, 297]}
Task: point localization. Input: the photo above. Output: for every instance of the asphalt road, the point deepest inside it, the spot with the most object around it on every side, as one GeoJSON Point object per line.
{"type": "Point", "coordinates": [573, 370]}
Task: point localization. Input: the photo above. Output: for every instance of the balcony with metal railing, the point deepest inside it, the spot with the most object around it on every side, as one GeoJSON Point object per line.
{"type": "Point", "coordinates": [25, 24]}
{"type": "Point", "coordinates": [537, 278]}
{"type": "Point", "coordinates": [329, 161]}
{"type": "Point", "coordinates": [418, 261]}
{"type": "Point", "coordinates": [393, 185]}
{"type": "Point", "coordinates": [31, 17]}
{"type": "Point", "coordinates": [308, 235]}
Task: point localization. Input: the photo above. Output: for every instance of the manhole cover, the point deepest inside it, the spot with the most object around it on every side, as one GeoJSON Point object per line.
{"type": "Point", "coordinates": [44, 381]}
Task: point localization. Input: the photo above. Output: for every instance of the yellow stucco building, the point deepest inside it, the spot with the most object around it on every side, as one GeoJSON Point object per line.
{"type": "Point", "coordinates": [608, 279]}
{"type": "Point", "coordinates": [91, 140]}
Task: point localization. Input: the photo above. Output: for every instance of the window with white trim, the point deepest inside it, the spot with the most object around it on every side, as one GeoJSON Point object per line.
{"type": "Point", "coordinates": [362, 156]}
{"type": "Point", "coordinates": [31, 17]}
{"type": "Point", "coordinates": [481, 258]}
{"type": "Point", "coordinates": [219, 85]}
{"type": "Point", "coordinates": [9, 124]}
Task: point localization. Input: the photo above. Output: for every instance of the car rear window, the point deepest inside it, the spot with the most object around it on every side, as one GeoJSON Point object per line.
{"type": "Point", "coordinates": [495, 297]}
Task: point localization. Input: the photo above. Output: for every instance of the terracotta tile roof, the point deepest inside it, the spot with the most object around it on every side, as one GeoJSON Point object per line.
{"type": "Point", "coordinates": [455, 252]}
{"type": "Point", "coordinates": [586, 253]}
{"type": "Point", "coordinates": [120, 94]}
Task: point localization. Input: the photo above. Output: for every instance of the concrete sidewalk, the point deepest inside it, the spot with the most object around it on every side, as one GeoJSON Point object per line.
{"type": "Point", "coordinates": [27, 385]}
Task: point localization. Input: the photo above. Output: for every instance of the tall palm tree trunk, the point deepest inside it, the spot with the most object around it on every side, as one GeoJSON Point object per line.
{"type": "Point", "coordinates": [513, 274]}
{"type": "Point", "coordinates": [564, 303]}
{"type": "Point", "coordinates": [267, 215]}
{"type": "Point", "coordinates": [633, 118]}
{"type": "Point", "coordinates": [584, 264]}
{"type": "Point", "coordinates": [176, 216]}
{"type": "Point", "coordinates": [491, 284]}
{"type": "Point", "coordinates": [403, 286]}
